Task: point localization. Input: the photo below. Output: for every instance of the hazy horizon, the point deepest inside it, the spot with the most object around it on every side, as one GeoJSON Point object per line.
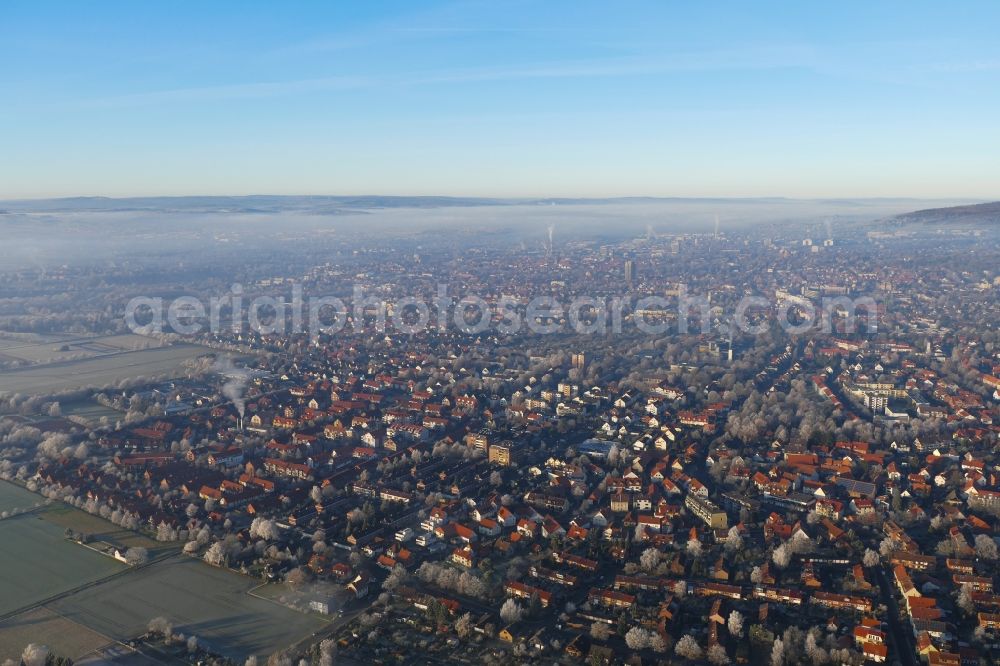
{"type": "Point", "coordinates": [957, 200]}
{"type": "Point", "coordinates": [106, 229]}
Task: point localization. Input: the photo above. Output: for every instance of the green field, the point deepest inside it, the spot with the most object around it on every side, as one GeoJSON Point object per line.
{"type": "Point", "coordinates": [15, 497]}
{"type": "Point", "coordinates": [38, 562]}
{"type": "Point", "coordinates": [200, 600]}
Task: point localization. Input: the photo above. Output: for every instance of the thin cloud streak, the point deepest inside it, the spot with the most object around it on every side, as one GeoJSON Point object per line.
{"type": "Point", "coordinates": [685, 62]}
{"type": "Point", "coordinates": [260, 89]}
{"type": "Point", "coordinates": [974, 66]}
{"type": "Point", "coordinates": [637, 66]}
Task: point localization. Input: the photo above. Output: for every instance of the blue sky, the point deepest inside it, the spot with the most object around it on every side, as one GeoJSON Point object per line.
{"type": "Point", "coordinates": [500, 98]}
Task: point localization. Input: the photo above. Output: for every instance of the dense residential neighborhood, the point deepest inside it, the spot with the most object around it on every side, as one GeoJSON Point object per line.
{"type": "Point", "coordinates": [815, 496]}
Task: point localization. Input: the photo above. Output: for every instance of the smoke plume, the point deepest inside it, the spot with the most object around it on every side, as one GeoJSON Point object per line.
{"type": "Point", "coordinates": [236, 383]}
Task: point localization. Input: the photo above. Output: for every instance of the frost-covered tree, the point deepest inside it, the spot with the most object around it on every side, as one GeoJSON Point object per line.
{"type": "Point", "coordinates": [327, 652]}
{"type": "Point", "coordinates": [986, 547]}
{"type": "Point", "coordinates": [395, 578]}
{"type": "Point", "coordinates": [649, 559]}
{"type": "Point", "coordinates": [34, 655]}
{"type": "Point", "coordinates": [463, 625]}
{"type": "Point", "coordinates": [216, 554]}
{"type": "Point", "coordinates": [511, 611]}
{"type": "Point", "coordinates": [777, 653]}
{"type": "Point", "coordinates": [782, 556]}
{"type": "Point", "coordinates": [688, 648]}
{"type": "Point", "coordinates": [164, 532]}
{"type": "Point", "coordinates": [161, 626]}
{"type": "Point", "coordinates": [717, 655]}
{"type": "Point", "coordinates": [888, 546]}
{"type": "Point", "coordinates": [816, 654]}
{"type": "Point", "coordinates": [734, 541]}
{"type": "Point", "coordinates": [600, 631]}
{"type": "Point", "coordinates": [136, 556]}
{"type": "Point", "coordinates": [965, 601]}
{"type": "Point", "coordinates": [298, 576]}
{"type": "Point", "coordinates": [637, 638]}
{"type": "Point", "coordinates": [735, 623]}
{"type": "Point", "coordinates": [265, 529]}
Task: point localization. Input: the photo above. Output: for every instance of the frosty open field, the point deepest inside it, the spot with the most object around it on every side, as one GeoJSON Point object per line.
{"type": "Point", "coordinates": [62, 636]}
{"type": "Point", "coordinates": [99, 371]}
{"type": "Point", "coordinates": [38, 562]}
{"type": "Point", "coordinates": [200, 600]}
{"type": "Point", "coordinates": [14, 497]}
